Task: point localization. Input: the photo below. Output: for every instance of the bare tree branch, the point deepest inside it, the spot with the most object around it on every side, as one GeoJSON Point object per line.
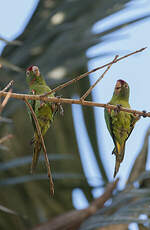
{"type": "Point", "coordinates": [74, 80]}
{"type": "Point", "coordinates": [7, 96]}
{"type": "Point", "coordinates": [74, 101]}
{"type": "Point", "coordinates": [8, 85]}
{"type": "Point", "coordinates": [5, 100]}
{"type": "Point", "coordinates": [14, 42]}
{"type": "Point", "coordinates": [98, 80]}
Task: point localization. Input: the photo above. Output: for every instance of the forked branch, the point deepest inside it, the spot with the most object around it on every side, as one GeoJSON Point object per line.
{"type": "Point", "coordinates": [74, 101]}
{"type": "Point", "coordinates": [74, 80]}
{"type": "Point", "coordinates": [98, 80]}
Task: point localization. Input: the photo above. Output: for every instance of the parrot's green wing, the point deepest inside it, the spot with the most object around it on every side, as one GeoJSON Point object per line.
{"type": "Point", "coordinates": [119, 149]}
{"type": "Point", "coordinates": [108, 120]}
{"type": "Point", "coordinates": [109, 124]}
{"type": "Point", "coordinates": [134, 119]}
{"type": "Point", "coordinates": [37, 146]}
{"type": "Point", "coordinates": [32, 103]}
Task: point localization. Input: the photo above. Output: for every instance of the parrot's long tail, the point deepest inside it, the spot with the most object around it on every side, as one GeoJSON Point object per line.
{"type": "Point", "coordinates": [119, 152]}
{"type": "Point", "coordinates": [36, 152]}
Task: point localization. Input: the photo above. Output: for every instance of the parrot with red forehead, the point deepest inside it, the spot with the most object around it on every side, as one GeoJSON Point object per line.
{"type": "Point", "coordinates": [44, 110]}
{"type": "Point", "coordinates": [119, 123]}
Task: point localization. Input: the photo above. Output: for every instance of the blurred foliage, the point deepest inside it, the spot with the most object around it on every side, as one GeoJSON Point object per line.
{"type": "Point", "coordinates": [56, 39]}
{"type": "Point", "coordinates": [126, 207]}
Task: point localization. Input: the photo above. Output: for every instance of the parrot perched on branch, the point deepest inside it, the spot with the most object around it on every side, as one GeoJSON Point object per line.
{"type": "Point", "coordinates": [44, 111]}
{"type": "Point", "coordinates": [119, 123]}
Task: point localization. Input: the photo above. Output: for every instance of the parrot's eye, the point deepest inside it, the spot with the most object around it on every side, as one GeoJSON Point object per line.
{"type": "Point", "coordinates": [126, 86]}
{"type": "Point", "coordinates": [28, 73]}
{"type": "Point", "coordinates": [118, 88]}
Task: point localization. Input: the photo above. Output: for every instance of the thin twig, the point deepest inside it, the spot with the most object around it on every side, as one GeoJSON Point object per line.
{"type": "Point", "coordinates": [74, 101]}
{"type": "Point", "coordinates": [8, 95]}
{"type": "Point", "coordinates": [5, 100]}
{"type": "Point", "coordinates": [74, 80]}
{"type": "Point", "coordinates": [43, 146]}
{"type": "Point", "coordinates": [98, 80]}
{"type": "Point", "coordinates": [8, 86]}
{"type": "Point", "coordinates": [7, 137]}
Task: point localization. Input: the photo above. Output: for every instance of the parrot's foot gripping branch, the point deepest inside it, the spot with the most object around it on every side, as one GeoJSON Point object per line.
{"type": "Point", "coordinates": [144, 113]}
{"type": "Point", "coordinates": [59, 107]}
{"type": "Point", "coordinates": [117, 110]}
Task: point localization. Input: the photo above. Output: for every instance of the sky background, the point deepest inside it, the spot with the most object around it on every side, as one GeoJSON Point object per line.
{"type": "Point", "coordinates": [134, 70]}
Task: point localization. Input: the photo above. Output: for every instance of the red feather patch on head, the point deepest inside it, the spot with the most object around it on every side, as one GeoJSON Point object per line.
{"type": "Point", "coordinates": [121, 82]}
{"type": "Point", "coordinates": [30, 68]}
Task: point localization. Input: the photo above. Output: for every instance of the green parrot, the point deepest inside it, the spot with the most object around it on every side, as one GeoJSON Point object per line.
{"type": "Point", "coordinates": [44, 111]}
{"type": "Point", "coordinates": [120, 124]}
